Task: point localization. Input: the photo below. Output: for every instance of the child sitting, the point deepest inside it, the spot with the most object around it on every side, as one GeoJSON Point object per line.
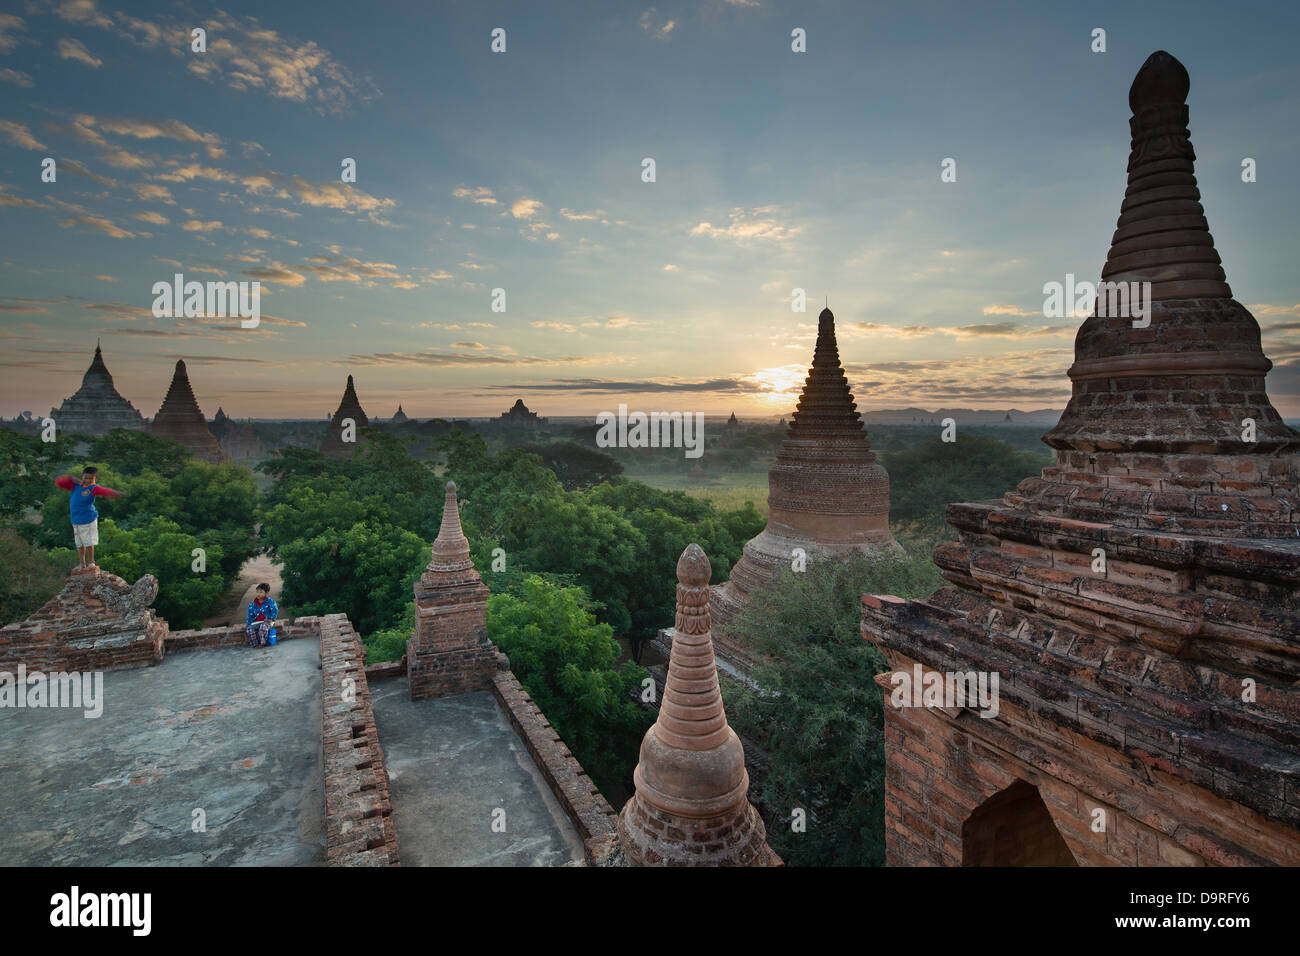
{"type": "Point", "coordinates": [262, 613]}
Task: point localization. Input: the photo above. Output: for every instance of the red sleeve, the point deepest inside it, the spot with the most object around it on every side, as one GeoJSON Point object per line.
{"type": "Point", "coordinates": [65, 482]}
{"type": "Point", "coordinates": [102, 492]}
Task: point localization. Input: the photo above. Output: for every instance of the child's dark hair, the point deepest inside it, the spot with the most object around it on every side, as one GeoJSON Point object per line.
{"type": "Point", "coordinates": [89, 470]}
{"type": "Point", "coordinates": [264, 587]}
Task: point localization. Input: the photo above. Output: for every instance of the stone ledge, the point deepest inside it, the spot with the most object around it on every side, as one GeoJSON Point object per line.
{"type": "Point", "coordinates": [359, 828]}
{"type": "Point", "coordinates": [590, 813]}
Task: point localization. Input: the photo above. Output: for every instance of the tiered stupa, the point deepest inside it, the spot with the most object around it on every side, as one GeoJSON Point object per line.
{"type": "Point", "coordinates": [826, 494]}
{"type": "Point", "coordinates": [1139, 603]}
{"type": "Point", "coordinates": [96, 407]}
{"type": "Point", "coordinates": [399, 416]}
{"type": "Point", "coordinates": [181, 420]}
{"type": "Point", "coordinates": [450, 652]}
{"type": "Point", "coordinates": [236, 440]}
{"type": "Point", "coordinates": [349, 408]}
{"type": "Point", "coordinates": [691, 806]}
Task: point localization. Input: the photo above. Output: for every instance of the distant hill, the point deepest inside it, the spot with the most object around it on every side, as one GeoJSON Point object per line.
{"type": "Point", "coordinates": [963, 416]}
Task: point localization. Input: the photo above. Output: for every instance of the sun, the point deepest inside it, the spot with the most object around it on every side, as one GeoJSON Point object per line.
{"type": "Point", "coordinates": [779, 386]}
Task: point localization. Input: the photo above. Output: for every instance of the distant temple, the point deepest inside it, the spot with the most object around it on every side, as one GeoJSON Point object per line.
{"type": "Point", "coordinates": [827, 496]}
{"type": "Point", "coordinates": [349, 408]}
{"type": "Point", "coordinates": [520, 415]}
{"type": "Point", "coordinates": [181, 420]}
{"type": "Point", "coordinates": [237, 441]}
{"type": "Point", "coordinates": [399, 416]}
{"type": "Point", "coordinates": [1137, 602]}
{"type": "Point", "coordinates": [96, 407]}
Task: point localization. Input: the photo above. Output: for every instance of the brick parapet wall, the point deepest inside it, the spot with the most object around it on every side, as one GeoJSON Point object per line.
{"type": "Point", "coordinates": [589, 811]}
{"type": "Point", "coordinates": [202, 639]}
{"type": "Point", "coordinates": [942, 764]}
{"type": "Point", "coordinates": [359, 828]}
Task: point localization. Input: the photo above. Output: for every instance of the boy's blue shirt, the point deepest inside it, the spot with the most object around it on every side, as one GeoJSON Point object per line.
{"type": "Point", "coordinates": [267, 607]}
{"type": "Point", "coordinates": [81, 504]}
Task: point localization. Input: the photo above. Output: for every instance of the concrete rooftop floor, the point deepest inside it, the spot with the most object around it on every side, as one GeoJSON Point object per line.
{"type": "Point", "coordinates": [235, 731]}
{"type": "Point", "coordinates": [452, 762]}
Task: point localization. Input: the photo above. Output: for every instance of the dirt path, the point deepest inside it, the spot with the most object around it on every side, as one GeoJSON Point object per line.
{"type": "Point", "coordinates": [254, 572]}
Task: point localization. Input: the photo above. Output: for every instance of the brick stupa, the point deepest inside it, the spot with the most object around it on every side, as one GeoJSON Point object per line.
{"type": "Point", "coordinates": [96, 408]}
{"type": "Point", "coordinates": [450, 652]}
{"type": "Point", "coordinates": [826, 493]}
{"type": "Point", "coordinates": [1140, 602]}
{"type": "Point", "coordinates": [181, 420]}
{"type": "Point", "coordinates": [349, 408]}
{"type": "Point", "coordinates": [691, 806]}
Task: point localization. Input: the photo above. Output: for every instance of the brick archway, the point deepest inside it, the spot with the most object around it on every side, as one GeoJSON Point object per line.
{"type": "Point", "coordinates": [1013, 828]}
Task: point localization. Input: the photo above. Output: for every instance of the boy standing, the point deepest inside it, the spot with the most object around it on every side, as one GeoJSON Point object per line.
{"type": "Point", "coordinates": [85, 518]}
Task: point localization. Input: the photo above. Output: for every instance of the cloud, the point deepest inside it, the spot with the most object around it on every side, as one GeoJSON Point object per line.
{"type": "Point", "coordinates": [19, 135]}
{"type": "Point", "coordinates": [661, 31]}
{"type": "Point", "coordinates": [16, 77]}
{"type": "Point", "coordinates": [105, 278]}
{"type": "Point", "coordinates": [153, 217]}
{"type": "Point", "coordinates": [1264, 309]}
{"type": "Point", "coordinates": [581, 216]}
{"type": "Point", "coordinates": [525, 208]}
{"type": "Point", "coordinates": [468, 345]}
{"type": "Point", "coordinates": [75, 50]}
{"type": "Point", "coordinates": [75, 168]}
{"type": "Point", "coordinates": [472, 266]}
{"type": "Point", "coordinates": [597, 386]}
{"type": "Point", "coordinates": [754, 226]}
{"type": "Point", "coordinates": [340, 196]}
{"type": "Point", "coordinates": [557, 326]}
{"type": "Point", "coordinates": [479, 194]}
{"type": "Point", "coordinates": [99, 223]}
{"type": "Point", "coordinates": [454, 359]}
{"type": "Point", "coordinates": [671, 268]}
{"type": "Point", "coordinates": [9, 24]}
{"type": "Point", "coordinates": [152, 191]}
{"type": "Point", "coordinates": [197, 225]}
{"type": "Point", "coordinates": [1007, 330]}
{"type": "Point", "coordinates": [1009, 310]}
{"type": "Point", "coordinates": [241, 52]}
{"type": "Point", "coordinates": [277, 273]}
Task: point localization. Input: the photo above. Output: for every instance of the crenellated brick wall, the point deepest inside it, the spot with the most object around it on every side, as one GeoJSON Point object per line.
{"type": "Point", "coordinates": [359, 828]}
{"type": "Point", "coordinates": [591, 814]}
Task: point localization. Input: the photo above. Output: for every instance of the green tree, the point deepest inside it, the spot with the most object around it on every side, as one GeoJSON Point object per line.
{"type": "Point", "coordinates": [568, 663]}
{"type": "Point", "coordinates": [162, 549]}
{"type": "Point", "coordinates": [576, 466]}
{"type": "Point", "coordinates": [925, 479]}
{"type": "Point", "coordinates": [29, 576]}
{"type": "Point", "coordinates": [130, 452]}
{"type": "Point", "coordinates": [819, 715]}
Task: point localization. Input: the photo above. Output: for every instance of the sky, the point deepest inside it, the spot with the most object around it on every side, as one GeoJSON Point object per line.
{"type": "Point", "coordinates": [522, 170]}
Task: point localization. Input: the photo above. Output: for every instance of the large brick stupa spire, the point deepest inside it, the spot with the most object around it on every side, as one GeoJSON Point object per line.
{"type": "Point", "coordinates": [1181, 389]}
{"type": "Point", "coordinates": [826, 493]}
{"type": "Point", "coordinates": [1139, 603]}
{"type": "Point", "coordinates": [96, 407]}
{"type": "Point", "coordinates": [691, 806]}
{"type": "Point", "coordinates": [349, 408]}
{"type": "Point", "coordinates": [181, 419]}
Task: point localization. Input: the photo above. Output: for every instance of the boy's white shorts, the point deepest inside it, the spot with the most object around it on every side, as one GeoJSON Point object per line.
{"type": "Point", "coordinates": [87, 535]}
